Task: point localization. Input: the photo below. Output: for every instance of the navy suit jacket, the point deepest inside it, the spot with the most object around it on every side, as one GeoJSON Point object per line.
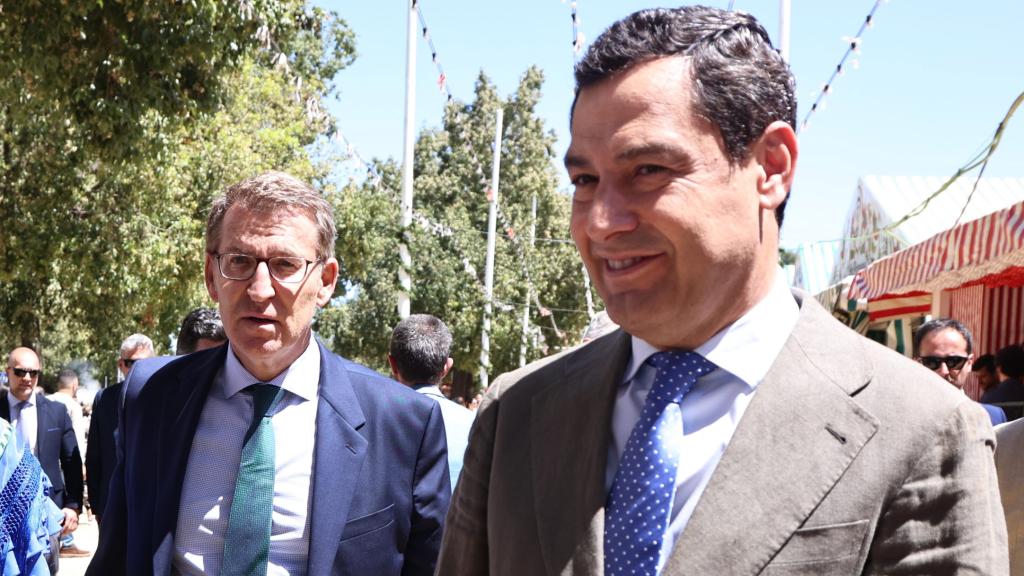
{"type": "Point", "coordinates": [56, 450]}
{"type": "Point", "coordinates": [379, 490]}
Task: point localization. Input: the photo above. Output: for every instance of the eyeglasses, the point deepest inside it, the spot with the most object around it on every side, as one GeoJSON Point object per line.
{"type": "Point", "coordinates": [951, 362]}
{"type": "Point", "coordinates": [128, 361]}
{"type": "Point", "coordinates": [21, 372]}
{"type": "Point", "coordinates": [287, 269]}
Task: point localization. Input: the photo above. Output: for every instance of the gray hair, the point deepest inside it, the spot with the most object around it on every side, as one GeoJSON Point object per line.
{"type": "Point", "coordinates": [135, 342]}
{"type": "Point", "coordinates": [420, 345]}
{"type": "Point", "coordinates": [270, 191]}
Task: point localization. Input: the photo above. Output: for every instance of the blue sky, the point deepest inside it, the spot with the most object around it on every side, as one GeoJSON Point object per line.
{"type": "Point", "coordinates": [935, 78]}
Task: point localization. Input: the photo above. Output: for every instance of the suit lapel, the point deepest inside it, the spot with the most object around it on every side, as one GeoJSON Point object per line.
{"type": "Point", "coordinates": [799, 434]}
{"type": "Point", "coordinates": [182, 401]}
{"type": "Point", "coordinates": [41, 424]}
{"type": "Point", "coordinates": [339, 451]}
{"type": "Point", "coordinates": [570, 435]}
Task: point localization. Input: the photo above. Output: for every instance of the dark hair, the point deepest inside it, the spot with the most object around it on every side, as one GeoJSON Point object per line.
{"type": "Point", "coordinates": [420, 345]}
{"type": "Point", "coordinates": [985, 362]}
{"type": "Point", "coordinates": [65, 378]}
{"type": "Point", "coordinates": [938, 325]}
{"type": "Point", "coordinates": [1010, 361]}
{"type": "Point", "coordinates": [200, 323]}
{"type": "Point", "coordinates": [740, 82]}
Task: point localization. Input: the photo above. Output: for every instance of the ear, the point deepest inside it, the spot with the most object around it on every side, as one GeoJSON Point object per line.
{"type": "Point", "coordinates": [394, 367]}
{"type": "Point", "coordinates": [328, 278]}
{"type": "Point", "coordinates": [776, 153]}
{"type": "Point", "coordinates": [209, 276]}
{"type": "Point", "coordinates": [447, 367]}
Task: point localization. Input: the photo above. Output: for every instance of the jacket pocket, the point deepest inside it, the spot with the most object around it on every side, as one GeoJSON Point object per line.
{"type": "Point", "coordinates": [831, 549]}
{"type": "Point", "coordinates": [368, 523]}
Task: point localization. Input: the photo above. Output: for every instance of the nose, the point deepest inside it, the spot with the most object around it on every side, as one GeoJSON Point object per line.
{"type": "Point", "coordinates": [261, 286]}
{"type": "Point", "coordinates": [610, 212]}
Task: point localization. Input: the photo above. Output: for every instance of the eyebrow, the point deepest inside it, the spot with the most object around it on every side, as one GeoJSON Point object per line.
{"type": "Point", "coordinates": [677, 153]}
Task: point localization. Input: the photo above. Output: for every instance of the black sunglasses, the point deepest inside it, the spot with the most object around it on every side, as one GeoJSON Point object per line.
{"type": "Point", "coordinates": [951, 362]}
{"type": "Point", "coordinates": [21, 372]}
{"type": "Point", "coordinates": [128, 361]}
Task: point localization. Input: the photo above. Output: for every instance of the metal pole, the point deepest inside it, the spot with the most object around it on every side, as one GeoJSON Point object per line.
{"type": "Point", "coordinates": [492, 217]}
{"type": "Point", "coordinates": [404, 279]}
{"type": "Point", "coordinates": [785, 12]}
{"type": "Point", "coordinates": [529, 286]}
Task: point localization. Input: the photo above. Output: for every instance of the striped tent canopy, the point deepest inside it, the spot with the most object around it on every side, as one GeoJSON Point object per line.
{"type": "Point", "coordinates": [988, 251]}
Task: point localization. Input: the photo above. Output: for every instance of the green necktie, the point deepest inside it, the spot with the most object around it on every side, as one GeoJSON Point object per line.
{"type": "Point", "coordinates": [247, 540]}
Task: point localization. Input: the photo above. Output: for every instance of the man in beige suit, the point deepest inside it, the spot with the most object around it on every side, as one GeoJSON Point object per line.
{"type": "Point", "coordinates": [1010, 464]}
{"type": "Point", "coordinates": [731, 426]}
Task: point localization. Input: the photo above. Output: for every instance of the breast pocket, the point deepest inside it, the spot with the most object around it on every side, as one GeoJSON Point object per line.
{"type": "Point", "coordinates": [368, 523]}
{"type": "Point", "coordinates": [821, 550]}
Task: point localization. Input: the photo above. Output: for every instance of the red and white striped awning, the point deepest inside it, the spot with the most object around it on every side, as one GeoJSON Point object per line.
{"type": "Point", "coordinates": [989, 251]}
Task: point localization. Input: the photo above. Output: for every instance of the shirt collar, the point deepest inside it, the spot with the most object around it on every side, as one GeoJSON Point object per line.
{"type": "Point", "coordinates": [13, 401]}
{"type": "Point", "coordinates": [301, 378]}
{"type": "Point", "coordinates": [747, 348]}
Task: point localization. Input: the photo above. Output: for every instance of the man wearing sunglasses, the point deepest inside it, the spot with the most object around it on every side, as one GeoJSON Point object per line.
{"type": "Point", "coordinates": [945, 346]}
{"type": "Point", "coordinates": [44, 427]}
{"type": "Point", "coordinates": [101, 456]}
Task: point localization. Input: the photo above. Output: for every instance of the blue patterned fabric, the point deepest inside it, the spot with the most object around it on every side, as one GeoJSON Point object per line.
{"type": "Point", "coordinates": [27, 515]}
{"type": "Point", "coordinates": [640, 501]}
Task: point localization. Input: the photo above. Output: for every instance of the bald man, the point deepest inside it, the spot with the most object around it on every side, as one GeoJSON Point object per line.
{"type": "Point", "coordinates": [45, 427]}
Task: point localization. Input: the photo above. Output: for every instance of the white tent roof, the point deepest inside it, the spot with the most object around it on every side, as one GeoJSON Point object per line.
{"type": "Point", "coordinates": [881, 201]}
{"type": "Point", "coordinates": [896, 196]}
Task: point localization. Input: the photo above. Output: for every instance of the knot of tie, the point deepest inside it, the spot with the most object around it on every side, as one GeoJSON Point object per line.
{"type": "Point", "coordinates": [263, 398]}
{"type": "Point", "coordinates": [678, 371]}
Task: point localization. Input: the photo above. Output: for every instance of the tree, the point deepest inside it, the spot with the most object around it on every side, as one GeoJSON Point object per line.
{"type": "Point", "coordinates": [453, 166]}
{"type": "Point", "coordinates": [122, 118]}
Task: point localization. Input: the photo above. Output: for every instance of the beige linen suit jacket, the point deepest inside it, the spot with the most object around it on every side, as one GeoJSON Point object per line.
{"type": "Point", "coordinates": [850, 459]}
{"type": "Point", "coordinates": [1010, 466]}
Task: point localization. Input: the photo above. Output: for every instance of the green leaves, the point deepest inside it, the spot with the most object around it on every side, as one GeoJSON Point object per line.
{"type": "Point", "coordinates": [120, 120]}
{"type": "Point", "coordinates": [448, 240]}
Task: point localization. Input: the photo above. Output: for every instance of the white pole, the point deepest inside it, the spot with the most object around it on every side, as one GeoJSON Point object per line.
{"type": "Point", "coordinates": [785, 12]}
{"type": "Point", "coordinates": [529, 287]}
{"type": "Point", "coordinates": [492, 217]}
{"type": "Point", "coordinates": [404, 279]}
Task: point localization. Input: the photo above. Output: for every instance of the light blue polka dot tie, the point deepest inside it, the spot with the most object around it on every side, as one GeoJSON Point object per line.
{"type": "Point", "coordinates": [638, 507]}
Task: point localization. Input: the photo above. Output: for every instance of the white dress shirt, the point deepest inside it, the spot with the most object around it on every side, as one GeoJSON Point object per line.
{"type": "Point", "coordinates": [743, 352]}
{"type": "Point", "coordinates": [28, 412]}
{"type": "Point", "coordinates": [216, 453]}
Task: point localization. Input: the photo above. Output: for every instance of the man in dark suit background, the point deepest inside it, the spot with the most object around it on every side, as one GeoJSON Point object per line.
{"type": "Point", "coordinates": [732, 426]}
{"type": "Point", "coordinates": [101, 455]}
{"type": "Point", "coordinates": [44, 426]}
{"type": "Point", "coordinates": [345, 468]}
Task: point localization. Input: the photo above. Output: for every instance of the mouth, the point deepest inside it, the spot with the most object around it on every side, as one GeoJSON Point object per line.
{"type": "Point", "coordinates": [260, 320]}
{"type": "Point", "coordinates": [621, 264]}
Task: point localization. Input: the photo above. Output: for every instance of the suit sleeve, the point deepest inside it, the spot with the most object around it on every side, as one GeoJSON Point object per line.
{"type": "Point", "coordinates": [464, 550]}
{"type": "Point", "coordinates": [947, 517]}
{"type": "Point", "coordinates": [93, 474]}
{"type": "Point", "coordinates": [71, 464]}
{"type": "Point", "coordinates": [111, 554]}
{"type": "Point", "coordinates": [431, 495]}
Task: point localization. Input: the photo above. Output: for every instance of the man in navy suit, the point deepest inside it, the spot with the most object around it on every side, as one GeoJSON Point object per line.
{"type": "Point", "coordinates": [101, 456]}
{"type": "Point", "coordinates": [45, 427]}
{"type": "Point", "coordinates": [358, 463]}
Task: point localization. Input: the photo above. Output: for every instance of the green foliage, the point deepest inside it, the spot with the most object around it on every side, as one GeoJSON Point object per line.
{"type": "Point", "coordinates": [448, 243]}
{"type": "Point", "coordinates": [120, 121]}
